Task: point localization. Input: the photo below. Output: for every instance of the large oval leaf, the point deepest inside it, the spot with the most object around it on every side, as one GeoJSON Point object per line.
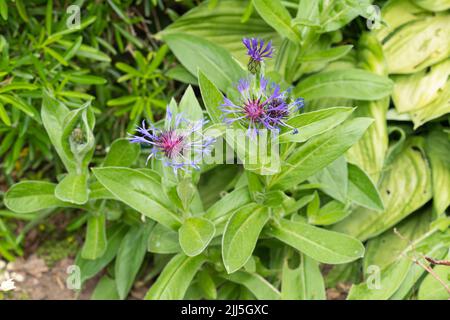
{"type": "Point", "coordinates": [322, 245]}
{"type": "Point", "coordinates": [319, 152]}
{"type": "Point", "coordinates": [195, 235]}
{"type": "Point", "coordinates": [215, 62]}
{"type": "Point", "coordinates": [31, 196]}
{"type": "Point", "coordinates": [345, 83]}
{"type": "Point", "coordinates": [140, 192]}
{"type": "Point", "coordinates": [241, 234]}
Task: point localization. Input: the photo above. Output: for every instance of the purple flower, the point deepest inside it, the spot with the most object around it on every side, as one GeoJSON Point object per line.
{"type": "Point", "coordinates": [261, 105]}
{"type": "Point", "coordinates": [256, 49]}
{"type": "Point", "coordinates": [180, 145]}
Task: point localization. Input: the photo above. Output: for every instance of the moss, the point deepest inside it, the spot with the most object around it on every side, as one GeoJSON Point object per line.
{"type": "Point", "coordinates": [53, 251]}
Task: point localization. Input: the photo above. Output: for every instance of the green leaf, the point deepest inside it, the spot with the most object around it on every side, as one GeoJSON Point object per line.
{"type": "Point", "coordinates": [4, 116]}
{"type": "Point", "coordinates": [438, 151]}
{"type": "Point", "coordinates": [189, 106]}
{"type": "Point", "coordinates": [212, 97]}
{"type": "Point", "coordinates": [4, 9]}
{"type": "Point", "coordinates": [207, 285]}
{"type": "Point", "coordinates": [195, 235]}
{"type": "Point", "coordinates": [330, 213]}
{"type": "Point", "coordinates": [319, 152]}
{"type": "Point", "coordinates": [105, 290]}
{"type": "Point", "coordinates": [73, 188]}
{"type": "Point", "coordinates": [310, 124]}
{"type": "Point", "coordinates": [163, 240]}
{"type": "Point", "coordinates": [346, 83]}
{"type": "Point", "coordinates": [431, 288]}
{"type": "Point", "coordinates": [53, 115]}
{"type": "Point", "coordinates": [140, 192]}
{"type": "Point", "coordinates": [214, 25]}
{"type": "Point", "coordinates": [241, 234]}
{"type": "Point", "coordinates": [260, 287]}
{"type": "Point", "coordinates": [278, 17]}
{"type": "Point", "coordinates": [390, 279]}
{"type": "Point", "coordinates": [362, 190]}
{"type": "Point", "coordinates": [175, 278]}
{"type": "Point", "coordinates": [129, 258]}
{"type": "Point", "coordinates": [327, 55]}
{"type": "Point", "coordinates": [322, 245]}
{"type": "Point", "coordinates": [89, 268]}
{"type": "Point", "coordinates": [31, 196]}
{"type": "Point", "coordinates": [333, 179]}
{"type": "Point", "coordinates": [419, 45]}
{"type": "Point", "coordinates": [199, 54]}
{"type": "Point", "coordinates": [370, 151]}
{"type": "Point", "coordinates": [95, 243]}
{"type": "Point", "coordinates": [304, 282]}
{"type": "Point", "coordinates": [122, 153]}
{"type": "Point", "coordinates": [404, 187]}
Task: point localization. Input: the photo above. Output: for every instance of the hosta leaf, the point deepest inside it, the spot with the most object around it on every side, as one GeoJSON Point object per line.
{"type": "Point", "coordinates": [241, 234]}
{"type": "Point", "coordinates": [362, 190]}
{"type": "Point", "coordinates": [390, 279]}
{"type": "Point", "coordinates": [199, 54]}
{"type": "Point", "coordinates": [438, 151]}
{"type": "Point", "coordinates": [318, 152]}
{"type": "Point", "coordinates": [96, 242]}
{"type": "Point", "coordinates": [434, 109]}
{"type": "Point", "coordinates": [140, 192]}
{"type": "Point", "coordinates": [322, 245]}
{"type": "Point", "coordinates": [346, 83]}
{"type": "Point", "coordinates": [195, 235]}
{"type": "Point", "coordinates": [31, 196]}
{"type": "Point", "coordinates": [412, 92]}
{"type": "Point", "coordinates": [418, 45]}
{"type": "Point", "coordinates": [260, 287]}
{"type": "Point", "coordinates": [175, 278]}
{"type": "Point", "coordinates": [370, 151]}
{"type": "Point", "coordinates": [431, 288]}
{"type": "Point", "coordinates": [404, 187]}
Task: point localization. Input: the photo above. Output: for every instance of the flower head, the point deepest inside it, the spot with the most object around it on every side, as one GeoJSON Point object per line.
{"type": "Point", "coordinates": [177, 147]}
{"type": "Point", "coordinates": [256, 49]}
{"type": "Point", "coordinates": [261, 105]}
{"type": "Point", "coordinates": [257, 52]}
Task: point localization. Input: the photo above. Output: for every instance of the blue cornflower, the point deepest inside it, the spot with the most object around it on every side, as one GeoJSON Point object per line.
{"type": "Point", "coordinates": [257, 52]}
{"type": "Point", "coordinates": [177, 147]}
{"type": "Point", "coordinates": [256, 49]}
{"type": "Point", "coordinates": [261, 105]}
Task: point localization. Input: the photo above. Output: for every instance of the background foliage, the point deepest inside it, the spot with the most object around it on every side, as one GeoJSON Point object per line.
{"type": "Point", "coordinates": [372, 153]}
